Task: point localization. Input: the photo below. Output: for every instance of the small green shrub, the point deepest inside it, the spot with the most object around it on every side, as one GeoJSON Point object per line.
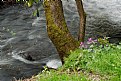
{"type": "Point", "coordinates": [96, 57]}
{"type": "Point", "coordinates": [103, 59]}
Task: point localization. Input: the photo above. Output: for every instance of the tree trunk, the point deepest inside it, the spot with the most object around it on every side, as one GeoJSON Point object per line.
{"type": "Point", "coordinates": [57, 28]}
{"type": "Point", "coordinates": [82, 19]}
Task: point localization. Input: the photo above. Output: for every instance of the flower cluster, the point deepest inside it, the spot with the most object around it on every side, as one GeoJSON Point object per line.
{"type": "Point", "coordinates": [88, 43]}
{"type": "Point", "coordinates": [91, 41]}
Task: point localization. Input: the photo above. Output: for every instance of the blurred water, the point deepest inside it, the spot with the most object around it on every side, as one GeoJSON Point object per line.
{"type": "Point", "coordinates": [103, 17]}
{"type": "Point", "coordinates": [24, 44]}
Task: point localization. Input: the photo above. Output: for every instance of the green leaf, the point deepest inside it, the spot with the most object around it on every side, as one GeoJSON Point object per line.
{"type": "Point", "coordinates": [119, 46]}
{"type": "Point", "coordinates": [30, 3]}
{"type": "Point", "coordinates": [35, 13]}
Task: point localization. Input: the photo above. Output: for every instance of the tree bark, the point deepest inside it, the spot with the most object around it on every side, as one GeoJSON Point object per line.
{"type": "Point", "coordinates": [82, 20]}
{"type": "Point", "coordinates": [57, 28]}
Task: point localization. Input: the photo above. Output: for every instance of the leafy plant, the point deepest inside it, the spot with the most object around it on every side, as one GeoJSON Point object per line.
{"type": "Point", "coordinates": [98, 57]}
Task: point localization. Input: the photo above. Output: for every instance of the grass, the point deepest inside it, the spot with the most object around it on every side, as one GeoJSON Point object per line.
{"type": "Point", "coordinates": [60, 76]}
{"type": "Point", "coordinates": [97, 63]}
{"type": "Point", "coordinates": [102, 60]}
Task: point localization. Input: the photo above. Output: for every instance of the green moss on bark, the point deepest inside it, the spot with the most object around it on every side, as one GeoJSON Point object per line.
{"type": "Point", "coordinates": [57, 28]}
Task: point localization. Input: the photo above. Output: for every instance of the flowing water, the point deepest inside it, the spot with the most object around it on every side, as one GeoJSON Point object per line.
{"type": "Point", "coordinates": [24, 44]}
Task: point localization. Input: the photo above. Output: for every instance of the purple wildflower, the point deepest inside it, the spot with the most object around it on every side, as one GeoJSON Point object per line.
{"type": "Point", "coordinates": [91, 41]}
{"type": "Point", "coordinates": [82, 45]}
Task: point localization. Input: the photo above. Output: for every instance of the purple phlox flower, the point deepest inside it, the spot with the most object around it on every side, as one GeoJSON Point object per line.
{"type": "Point", "coordinates": [83, 45]}
{"type": "Point", "coordinates": [95, 41]}
{"type": "Point", "coordinates": [91, 41]}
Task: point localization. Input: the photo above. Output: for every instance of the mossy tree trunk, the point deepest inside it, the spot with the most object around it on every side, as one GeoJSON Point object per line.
{"type": "Point", "coordinates": [57, 28]}
{"type": "Point", "coordinates": [82, 20]}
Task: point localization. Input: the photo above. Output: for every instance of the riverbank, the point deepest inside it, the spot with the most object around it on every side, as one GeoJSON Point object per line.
{"type": "Point", "coordinates": [97, 63]}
